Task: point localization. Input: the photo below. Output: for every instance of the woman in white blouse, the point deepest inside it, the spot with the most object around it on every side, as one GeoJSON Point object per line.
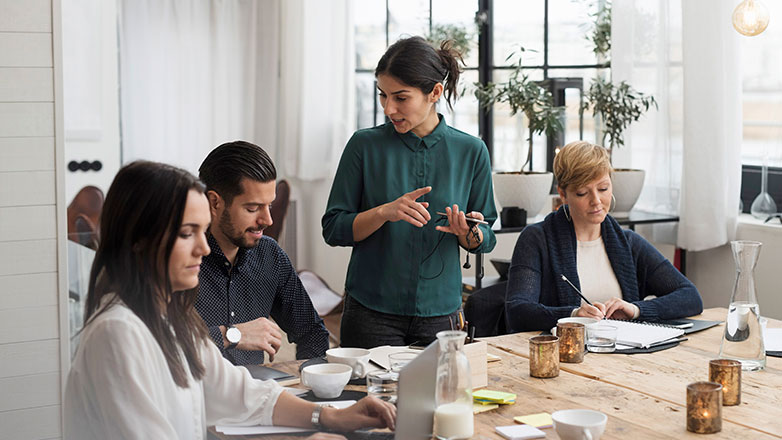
{"type": "Point", "coordinates": [145, 367]}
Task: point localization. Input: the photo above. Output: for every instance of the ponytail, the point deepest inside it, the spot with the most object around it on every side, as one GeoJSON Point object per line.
{"type": "Point", "coordinates": [417, 63]}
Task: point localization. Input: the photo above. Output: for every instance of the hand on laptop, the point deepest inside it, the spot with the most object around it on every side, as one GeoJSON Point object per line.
{"type": "Point", "coordinates": [369, 412]}
{"type": "Point", "coordinates": [260, 334]}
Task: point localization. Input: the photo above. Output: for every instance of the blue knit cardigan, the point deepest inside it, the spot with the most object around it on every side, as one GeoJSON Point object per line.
{"type": "Point", "coordinates": [536, 295]}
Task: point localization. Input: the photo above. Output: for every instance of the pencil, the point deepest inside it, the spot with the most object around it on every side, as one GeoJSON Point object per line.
{"type": "Point", "coordinates": [576, 289]}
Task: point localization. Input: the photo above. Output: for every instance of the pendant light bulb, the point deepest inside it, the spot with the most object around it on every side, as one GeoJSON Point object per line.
{"type": "Point", "coordinates": [750, 17]}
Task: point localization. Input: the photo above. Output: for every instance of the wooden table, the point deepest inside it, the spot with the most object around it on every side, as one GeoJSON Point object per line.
{"type": "Point", "coordinates": [642, 394]}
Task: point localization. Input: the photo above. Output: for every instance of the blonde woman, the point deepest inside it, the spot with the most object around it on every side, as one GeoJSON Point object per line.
{"type": "Point", "coordinates": [613, 267]}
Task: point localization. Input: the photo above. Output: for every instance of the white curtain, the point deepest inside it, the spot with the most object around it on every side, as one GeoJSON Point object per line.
{"type": "Point", "coordinates": [317, 98]}
{"type": "Point", "coordinates": [194, 74]}
{"type": "Point", "coordinates": [684, 53]}
{"type": "Point", "coordinates": [711, 176]}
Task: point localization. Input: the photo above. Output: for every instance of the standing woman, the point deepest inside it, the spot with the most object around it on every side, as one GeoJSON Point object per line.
{"type": "Point", "coordinates": [146, 367]}
{"type": "Point", "coordinates": [404, 279]}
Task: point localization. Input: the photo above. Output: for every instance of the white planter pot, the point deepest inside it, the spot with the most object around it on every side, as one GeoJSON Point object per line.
{"type": "Point", "coordinates": [528, 191]}
{"type": "Point", "coordinates": [627, 186]}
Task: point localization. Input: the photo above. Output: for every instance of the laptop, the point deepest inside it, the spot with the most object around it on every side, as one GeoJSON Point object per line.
{"type": "Point", "coordinates": [415, 396]}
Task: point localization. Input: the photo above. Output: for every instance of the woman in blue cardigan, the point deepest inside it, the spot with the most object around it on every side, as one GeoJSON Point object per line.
{"type": "Point", "coordinates": [613, 267]}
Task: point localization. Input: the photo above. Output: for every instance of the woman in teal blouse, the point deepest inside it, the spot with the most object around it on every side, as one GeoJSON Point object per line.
{"type": "Point", "coordinates": [404, 279]}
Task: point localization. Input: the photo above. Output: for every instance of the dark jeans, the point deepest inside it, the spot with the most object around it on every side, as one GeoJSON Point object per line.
{"type": "Point", "coordinates": [365, 328]}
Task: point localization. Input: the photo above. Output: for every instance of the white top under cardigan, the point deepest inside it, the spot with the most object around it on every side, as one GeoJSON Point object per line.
{"type": "Point", "coordinates": [597, 277]}
{"type": "Point", "coordinates": [120, 387]}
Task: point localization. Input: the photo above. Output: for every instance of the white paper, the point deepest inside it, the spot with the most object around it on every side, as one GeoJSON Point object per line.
{"type": "Point", "coordinates": [772, 339]}
{"type": "Point", "coordinates": [259, 429]}
{"type": "Point", "coordinates": [379, 355]}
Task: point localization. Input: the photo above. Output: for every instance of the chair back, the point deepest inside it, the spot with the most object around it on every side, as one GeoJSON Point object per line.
{"type": "Point", "coordinates": [279, 209]}
{"type": "Point", "coordinates": [84, 216]}
{"type": "Point", "coordinates": [485, 309]}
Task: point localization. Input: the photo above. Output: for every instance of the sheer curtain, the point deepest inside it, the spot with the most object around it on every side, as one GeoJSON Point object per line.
{"type": "Point", "coordinates": [685, 54]}
{"type": "Point", "coordinates": [194, 74]}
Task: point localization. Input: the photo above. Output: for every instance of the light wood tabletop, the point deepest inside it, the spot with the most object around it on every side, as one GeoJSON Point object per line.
{"type": "Point", "coordinates": [644, 395]}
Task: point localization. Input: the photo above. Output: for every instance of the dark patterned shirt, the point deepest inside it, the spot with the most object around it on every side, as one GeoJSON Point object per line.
{"type": "Point", "coordinates": [262, 283]}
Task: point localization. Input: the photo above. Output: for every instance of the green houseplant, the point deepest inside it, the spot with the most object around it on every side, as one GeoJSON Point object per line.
{"type": "Point", "coordinates": [527, 190]}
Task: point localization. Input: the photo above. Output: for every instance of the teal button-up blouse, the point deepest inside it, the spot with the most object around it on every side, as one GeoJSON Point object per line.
{"type": "Point", "coordinates": [402, 269]}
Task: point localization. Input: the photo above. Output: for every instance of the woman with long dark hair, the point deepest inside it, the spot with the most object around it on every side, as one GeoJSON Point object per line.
{"type": "Point", "coordinates": [145, 367]}
{"type": "Point", "coordinates": [404, 279]}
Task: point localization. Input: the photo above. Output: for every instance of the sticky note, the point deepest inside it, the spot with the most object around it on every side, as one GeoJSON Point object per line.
{"type": "Point", "coordinates": [494, 396]}
{"type": "Point", "coordinates": [540, 420]}
{"type": "Point", "coordinates": [479, 408]}
{"type": "Point", "coordinates": [519, 432]}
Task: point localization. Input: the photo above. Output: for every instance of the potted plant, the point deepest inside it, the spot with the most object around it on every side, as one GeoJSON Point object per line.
{"type": "Point", "coordinates": [527, 190]}
{"type": "Point", "coordinates": [615, 107]}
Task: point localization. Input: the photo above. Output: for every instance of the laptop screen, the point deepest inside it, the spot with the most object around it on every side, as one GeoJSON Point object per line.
{"type": "Point", "coordinates": [415, 396]}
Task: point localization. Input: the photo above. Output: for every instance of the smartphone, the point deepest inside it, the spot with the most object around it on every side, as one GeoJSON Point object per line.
{"type": "Point", "coordinates": [469, 219]}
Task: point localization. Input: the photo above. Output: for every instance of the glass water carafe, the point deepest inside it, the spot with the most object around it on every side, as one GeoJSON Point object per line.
{"type": "Point", "coordinates": [453, 417]}
{"type": "Point", "coordinates": [743, 337]}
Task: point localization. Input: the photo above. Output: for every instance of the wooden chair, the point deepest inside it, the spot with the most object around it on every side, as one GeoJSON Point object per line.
{"type": "Point", "coordinates": [279, 209]}
{"type": "Point", "coordinates": [84, 216]}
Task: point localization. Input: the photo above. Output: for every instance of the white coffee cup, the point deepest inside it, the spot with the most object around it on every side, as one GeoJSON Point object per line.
{"type": "Point", "coordinates": [577, 319]}
{"type": "Point", "coordinates": [579, 424]}
{"type": "Point", "coordinates": [326, 380]}
{"type": "Point", "coordinates": [357, 358]}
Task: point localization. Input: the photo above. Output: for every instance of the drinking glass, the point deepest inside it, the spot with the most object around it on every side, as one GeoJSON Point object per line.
{"type": "Point", "coordinates": [601, 338]}
{"type": "Point", "coordinates": [383, 385]}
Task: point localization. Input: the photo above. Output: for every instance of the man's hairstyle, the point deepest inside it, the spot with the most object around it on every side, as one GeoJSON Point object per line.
{"type": "Point", "coordinates": [224, 168]}
{"type": "Point", "coordinates": [579, 163]}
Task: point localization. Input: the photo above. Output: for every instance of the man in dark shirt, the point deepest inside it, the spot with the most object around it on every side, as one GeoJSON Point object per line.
{"type": "Point", "coordinates": [247, 277]}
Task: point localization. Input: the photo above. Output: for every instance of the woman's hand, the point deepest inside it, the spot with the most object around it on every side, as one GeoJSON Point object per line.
{"type": "Point", "coordinates": [597, 311]}
{"type": "Point", "coordinates": [617, 308]}
{"type": "Point", "coordinates": [406, 208]}
{"type": "Point", "coordinates": [369, 412]}
{"type": "Point", "coordinates": [457, 221]}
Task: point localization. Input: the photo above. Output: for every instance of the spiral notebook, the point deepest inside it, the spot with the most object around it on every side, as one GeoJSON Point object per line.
{"type": "Point", "coordinates": [642, 334]}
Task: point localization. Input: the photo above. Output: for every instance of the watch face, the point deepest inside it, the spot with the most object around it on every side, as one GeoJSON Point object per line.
{"type": "Point", "coordinates": [233, 335]}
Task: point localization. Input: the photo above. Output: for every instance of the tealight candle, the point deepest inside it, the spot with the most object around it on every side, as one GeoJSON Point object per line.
{"type": "Point", "coordinates": [544, 356]}
{"type": "Point", "coordinates": [571, 342]}
{"type": "Point", "coordinates": [704, 407]}
{"type": "Point", "coordinates": [727, 372]}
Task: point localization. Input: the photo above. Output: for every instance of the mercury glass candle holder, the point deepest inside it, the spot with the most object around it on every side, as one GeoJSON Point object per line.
{"type": "Point", "coordinates": [572, 336]}
{"type": "Point", "coordinates": [727, 372]}
{"type": "Point", "coordinates": [544, 356]}
{"type": "Point", "coordinates": [704, 407]}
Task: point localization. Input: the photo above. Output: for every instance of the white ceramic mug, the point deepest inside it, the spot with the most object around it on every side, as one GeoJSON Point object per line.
{"type": "Point", "coordinates": [578, 319]}
{"type": "Point", "coordinates": [357, 358]}
{"type": "Point", "coordinates": [579, 424]}
{"type": "Point", "coordinates": [326, 380]}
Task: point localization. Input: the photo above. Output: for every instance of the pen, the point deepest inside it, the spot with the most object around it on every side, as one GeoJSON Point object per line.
{"type": "Point", "coordinates": [469, 219]}
{"type": "Point", "coordinates": [472, 334]}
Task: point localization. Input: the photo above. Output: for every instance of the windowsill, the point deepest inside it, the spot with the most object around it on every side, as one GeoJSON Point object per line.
{"type": "Point", "coordinates": [748, 221]}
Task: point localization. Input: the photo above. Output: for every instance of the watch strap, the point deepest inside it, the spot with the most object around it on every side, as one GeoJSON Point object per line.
{"type": "Point", "coordinates": [315, 420]}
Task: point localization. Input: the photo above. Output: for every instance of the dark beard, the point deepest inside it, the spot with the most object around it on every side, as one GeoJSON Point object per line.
{"type": "Point", "coordinates": [236, 238]}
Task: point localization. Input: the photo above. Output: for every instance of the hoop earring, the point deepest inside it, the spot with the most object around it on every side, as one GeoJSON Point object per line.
{"type": "Point", "coordinates": [567, 212]}
{"type": "Point", "coordinates": [612, 205]}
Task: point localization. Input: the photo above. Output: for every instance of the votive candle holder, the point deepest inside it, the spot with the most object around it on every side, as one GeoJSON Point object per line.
{"type": "Point", "coordinates": [727, 372]}
{"type": "Point", "coordinates": [572, 338]}
{"type": "Point", "coordinates": [704, 407]}
{"type": "Point", "coordinates": [544, 356]}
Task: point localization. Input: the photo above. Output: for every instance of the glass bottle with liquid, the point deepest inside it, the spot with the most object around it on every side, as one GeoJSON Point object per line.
{"type": "Point", "coordinates": [453, 417]}
{"type": "Point", "coordinates": [743, 337]}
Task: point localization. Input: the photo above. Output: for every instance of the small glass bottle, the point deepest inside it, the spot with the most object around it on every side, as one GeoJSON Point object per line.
{"type": "Point", "coordinates": [743, 337]}
{"type": "Point", "coordinates": [453, 417]}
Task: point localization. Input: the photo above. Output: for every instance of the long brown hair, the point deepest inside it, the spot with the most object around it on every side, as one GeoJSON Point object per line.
{"type": "Point", "coordinates": [139, 224]}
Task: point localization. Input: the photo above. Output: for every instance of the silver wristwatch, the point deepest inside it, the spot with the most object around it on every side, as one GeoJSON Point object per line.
{"type": "Point", "coordinates": [233, 335]}
{"type": "Point", "coordinates": [315, 420]}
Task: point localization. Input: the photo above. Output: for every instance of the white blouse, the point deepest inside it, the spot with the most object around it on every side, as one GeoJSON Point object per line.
{"type": "Point", "coordinates": [120, 387]}
{"type": "Point", "coordinates": [598, 281]}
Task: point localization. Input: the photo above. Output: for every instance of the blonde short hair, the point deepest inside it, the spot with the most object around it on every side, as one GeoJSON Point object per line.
{"type": "Point", "coordinates": [579, 163]}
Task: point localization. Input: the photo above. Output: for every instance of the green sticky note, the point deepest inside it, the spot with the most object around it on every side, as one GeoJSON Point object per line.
{"type": "Point", "coordinates": [494, 396]}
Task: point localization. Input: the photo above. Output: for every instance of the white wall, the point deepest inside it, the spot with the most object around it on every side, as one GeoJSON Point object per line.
{"type": "Point", "coordinates": [31, 220]}
{"type": "Point", "coordinates": [714, 272]}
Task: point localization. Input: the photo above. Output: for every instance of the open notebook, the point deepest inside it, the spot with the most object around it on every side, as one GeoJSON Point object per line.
{"type": "Point", "coordinates": [642, 334]}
